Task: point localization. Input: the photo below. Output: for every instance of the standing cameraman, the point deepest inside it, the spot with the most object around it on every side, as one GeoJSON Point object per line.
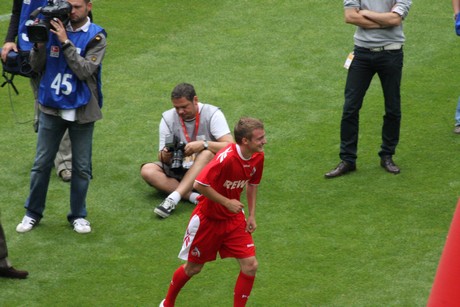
{"type": "Point", "coordinates": [70, 98]}
{"type": "Point", "coordinates": [17, 29]}
{"type": "Point", "coordinates": [204, 131]}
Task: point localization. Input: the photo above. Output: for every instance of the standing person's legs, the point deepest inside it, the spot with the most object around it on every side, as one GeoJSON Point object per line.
{"type": "Point", "coordinates": [81, 136]}
{"type": "Point", "coordinates": [200, 231]}
{"type": "Point", "coordinates": [390, 74]}
{"type": "Point", "coordinates": [63, 160]}
{"type": "Point", "coordinates": [359, 77]}
{"type": "Point", "coordinates": [50, 132]}
{"type": "Point", "coordinates": [6, 270]}
{"type": "Point", "coordinates": [245, 281]}
{"type": "Point", "coordinates": [3, 249]}
{"type": "Point", "coordinates": [457, 117]}
{"type": "Point", "coordinates": [180, 277]}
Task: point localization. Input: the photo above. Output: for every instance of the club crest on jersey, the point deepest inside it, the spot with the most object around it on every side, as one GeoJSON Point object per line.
{"type": "Point", "coordinates": [196, 252]}
{"type": "Point", "coordinates": [54, 51]}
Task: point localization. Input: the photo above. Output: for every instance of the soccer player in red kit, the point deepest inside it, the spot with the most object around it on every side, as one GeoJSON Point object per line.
{"type": "Point", "coordinates": [218, 224]}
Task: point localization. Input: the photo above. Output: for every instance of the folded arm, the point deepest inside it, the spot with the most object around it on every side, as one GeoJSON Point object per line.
{"type": "Point", "coordinates": [372, 20]}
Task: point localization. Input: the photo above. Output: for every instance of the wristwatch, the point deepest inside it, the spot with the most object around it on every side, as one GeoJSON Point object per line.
{"type": "Point", "coordinates": [65, 44]}
{"type": "Point", "coordinates": [205, 144]}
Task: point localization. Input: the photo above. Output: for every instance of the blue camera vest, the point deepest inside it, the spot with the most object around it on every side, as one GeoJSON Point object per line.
{"type": "Point", "coordinates": [59, 87]}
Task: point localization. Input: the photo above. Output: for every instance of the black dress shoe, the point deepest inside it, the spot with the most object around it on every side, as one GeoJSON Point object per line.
{"type": "Point", "coordinates": [387, 163]}
{"type": "Point", "coordinates": [341, 169]}
{"type": "Point", "coordinates": [13, 273]}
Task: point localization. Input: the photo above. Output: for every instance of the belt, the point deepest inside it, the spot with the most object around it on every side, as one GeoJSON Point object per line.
{"type": "Point", "coordinates": [394, 46]}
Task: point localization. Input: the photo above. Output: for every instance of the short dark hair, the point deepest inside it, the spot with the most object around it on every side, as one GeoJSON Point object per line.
{"type": "Point", "coordinates": [183, 90]}
{"type": "Point", "coordinates": [244, 128]}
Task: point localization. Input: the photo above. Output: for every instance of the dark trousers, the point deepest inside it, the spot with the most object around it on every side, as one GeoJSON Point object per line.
{"type": "Point", "coordinates": [387, 65]}
{"type": "Point", "coordinates": [3, 248]}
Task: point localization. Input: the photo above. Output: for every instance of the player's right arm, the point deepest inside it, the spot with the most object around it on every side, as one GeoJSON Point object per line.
{"type": "Point", "coordinates": [233, 205]}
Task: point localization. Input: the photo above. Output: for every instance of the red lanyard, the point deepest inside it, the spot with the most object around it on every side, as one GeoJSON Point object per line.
{"type": "Point", "coordinates": [197, 124]}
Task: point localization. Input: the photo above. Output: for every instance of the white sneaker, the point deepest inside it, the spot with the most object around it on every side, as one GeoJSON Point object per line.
{"type": "Point", "coordinates": [165, 208]}
{"type": "Point", "coordinates": [26, 224]}
{"type": "Point", "coordinates": [81, 226]}
{"type": "Point", "coordinates": [161, 304]}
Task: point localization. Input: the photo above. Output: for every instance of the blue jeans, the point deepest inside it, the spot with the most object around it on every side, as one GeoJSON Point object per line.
{"type": "Point", "coordinates": [50, 131]}
{"type": "Point", "coordinates": [388, 66]}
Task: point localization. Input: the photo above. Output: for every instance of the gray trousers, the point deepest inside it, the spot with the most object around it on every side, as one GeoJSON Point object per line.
{"type": "Point", "coordinates": [63, 158]}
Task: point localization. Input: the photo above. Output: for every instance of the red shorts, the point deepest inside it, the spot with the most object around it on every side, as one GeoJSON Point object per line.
{"type": "Point", "coordinates": [205, 237]}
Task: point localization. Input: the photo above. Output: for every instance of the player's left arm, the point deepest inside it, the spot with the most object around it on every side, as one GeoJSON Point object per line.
{"type": "Point", "coordinates": [251, 194]}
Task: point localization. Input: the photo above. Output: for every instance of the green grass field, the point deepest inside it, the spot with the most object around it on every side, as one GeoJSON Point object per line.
{"type": "Point", "coordinates": [366, 239]}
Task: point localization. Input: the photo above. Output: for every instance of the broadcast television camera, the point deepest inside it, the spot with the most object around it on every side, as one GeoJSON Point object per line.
{"type": "Point", "coordinates": [38, 32]}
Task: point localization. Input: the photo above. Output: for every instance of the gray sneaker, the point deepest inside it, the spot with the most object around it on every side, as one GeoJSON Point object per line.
{"type": "Point", "coordinates": [165, 208]}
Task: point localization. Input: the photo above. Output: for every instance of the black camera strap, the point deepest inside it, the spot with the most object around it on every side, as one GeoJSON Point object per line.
{"type": "Point", "coordinates": [9, 82]}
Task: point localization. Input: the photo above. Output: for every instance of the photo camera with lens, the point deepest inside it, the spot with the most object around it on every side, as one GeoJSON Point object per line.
{"type": "Point", "coordinates": [38, 32]}
{"type": "Point", "coordinates": [174, 145]}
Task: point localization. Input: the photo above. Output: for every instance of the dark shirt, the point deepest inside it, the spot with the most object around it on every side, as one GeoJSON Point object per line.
{"type": "Point", "coordinates": [14, 22]}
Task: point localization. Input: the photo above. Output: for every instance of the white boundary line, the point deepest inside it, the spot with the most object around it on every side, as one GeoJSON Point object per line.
{"type": "Point", "coordinates": [5, 17]}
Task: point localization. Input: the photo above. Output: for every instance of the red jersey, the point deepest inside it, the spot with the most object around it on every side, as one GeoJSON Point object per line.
{"type": "Point", "coordinates": [228, 173]}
